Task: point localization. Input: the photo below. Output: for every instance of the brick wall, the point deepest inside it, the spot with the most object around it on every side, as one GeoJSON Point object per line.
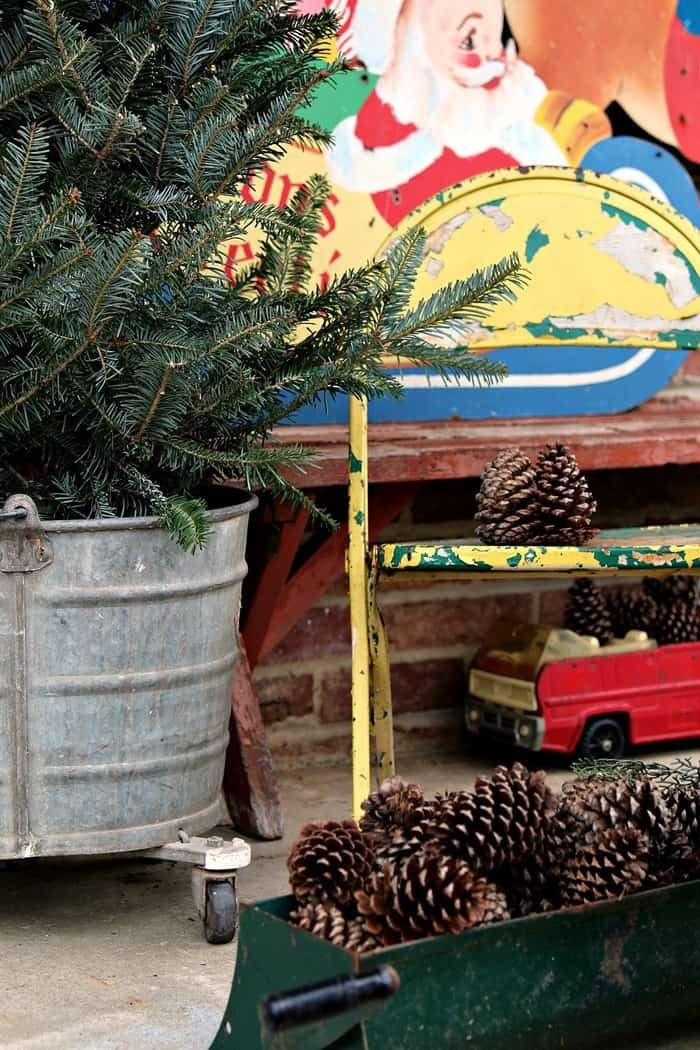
{"type": "Point", "coordinates": [434, 628]}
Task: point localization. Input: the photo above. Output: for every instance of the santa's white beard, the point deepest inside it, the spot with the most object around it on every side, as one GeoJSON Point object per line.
{"type": "Point", "coordinates": [468, 120]}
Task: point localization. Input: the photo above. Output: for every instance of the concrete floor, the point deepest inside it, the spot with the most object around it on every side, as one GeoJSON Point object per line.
{"type": "Point", "coordinates": [109, 954]}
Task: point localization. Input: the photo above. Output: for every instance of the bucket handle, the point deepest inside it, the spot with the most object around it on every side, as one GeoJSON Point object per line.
{"type": "Point", "coordinates": [26, 548]}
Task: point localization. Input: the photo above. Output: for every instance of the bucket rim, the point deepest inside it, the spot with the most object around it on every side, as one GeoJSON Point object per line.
{"type": "Point", "coordinates": [248, 502]}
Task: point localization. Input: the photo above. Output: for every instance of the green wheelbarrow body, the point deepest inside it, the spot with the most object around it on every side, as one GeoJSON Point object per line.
{"type": "Point", "coordinates": [607, 976]}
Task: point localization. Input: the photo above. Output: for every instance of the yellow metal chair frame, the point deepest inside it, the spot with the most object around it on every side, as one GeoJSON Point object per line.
{"type": "Point", "coordinates": [620, 269]}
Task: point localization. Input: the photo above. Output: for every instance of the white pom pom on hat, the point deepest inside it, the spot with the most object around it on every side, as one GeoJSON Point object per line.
{"type": "Point", "coordinates": [368, 30]}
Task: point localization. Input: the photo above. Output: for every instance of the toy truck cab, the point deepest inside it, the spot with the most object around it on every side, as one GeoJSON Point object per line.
{"type": "Point", "coordinates": [548, 688]}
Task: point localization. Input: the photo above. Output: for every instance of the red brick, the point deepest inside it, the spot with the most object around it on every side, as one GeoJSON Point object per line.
{"type": "Point", "coordinates": [447, 622]}
{"type": "Point", "coordinates": [285, 696]}
{"type": "Point", "coordinates": [420, 686]}
{"type": "Point", "coordinates": [552, 606]}
{"type": "Point", "coordinates": [335, 695]}
{"type": "Point", "coordinates": [322, 631]}
{"type": "Point", "coordinates": [427, 685]}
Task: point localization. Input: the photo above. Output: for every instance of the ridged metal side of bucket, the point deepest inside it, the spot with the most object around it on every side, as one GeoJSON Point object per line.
{"type": "Point", "coordinates": [117, 668]}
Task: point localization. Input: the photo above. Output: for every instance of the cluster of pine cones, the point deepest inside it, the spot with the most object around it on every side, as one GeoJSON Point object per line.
{"type": "Point", "coordinates": [417, 867]}
{"type": "Point", "coordinates": [549, 502]}
{"type": "Point", "coordinates": [668, 609]}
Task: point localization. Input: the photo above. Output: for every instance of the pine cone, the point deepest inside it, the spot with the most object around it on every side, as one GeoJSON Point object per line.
{"type": "Point", "coordinates": [507, 499]}
{"type": "Point", "coordinates": [329, 862]}
{"type": "Point", "coordinates": [403, 843]}
{"type": "Point", "coordinates": [597, 805]}
{"type": "Point", "coordinates": [613, 865]}
{"type": "Point", "coordinates": [497, 909]}
{"type": "Point", "coordinates": [632, 611]}
{"type": "Point", "coordinates": [587, 611]}
{"type": "Point", "coordinates": [328, 921]}
{"type": "Point", "coordinates": [566, 505]}
{"type": "Point", "coordinates": [500, 822]}
{"type": "Point", "coordinates": [426, 896]}
{"type": "Point", "coordinates": [395, 805]}
{"type": "Point", "coordinates": [677, 622]}
{"type": "Point", "coordinates": [678, 858]}
{"type": "Point", "coordinates": [666, 590]}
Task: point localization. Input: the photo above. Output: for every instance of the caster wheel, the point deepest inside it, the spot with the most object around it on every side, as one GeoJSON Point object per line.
{"type": "Point", "coordinates": [221, 915]}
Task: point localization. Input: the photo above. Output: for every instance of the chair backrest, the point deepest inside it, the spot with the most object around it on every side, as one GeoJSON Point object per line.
{"type": "Point", "coordinates": [610, 266]}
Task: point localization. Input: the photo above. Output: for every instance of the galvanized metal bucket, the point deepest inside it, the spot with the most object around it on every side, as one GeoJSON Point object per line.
{"type": "Point", "coordinates": [117, 656]}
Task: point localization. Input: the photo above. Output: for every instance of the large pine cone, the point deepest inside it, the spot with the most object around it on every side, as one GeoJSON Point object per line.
{"type": "Point", "coordinates": [677, 622]}
{"type": "Point", "coordinates": [396, 806]}
{"type": "Point", "coordinates": [500, 822]}
{"type": "Point", "coordinates": [587, 612]}
{"type": "Point", "coordinates": [665, 590]}
{"type": "Point", "coordinates": [328, 921]}
{"type": "Point", "coordinates": [532, 884]}
{"type": "Point", "coordinates": [597, 805]}
{"type": "Point", "coordinates": [507, 499]}
{"type": "Point", "coordinates": [566, 505]}
{"type": "Point", "coordinates": [329, 861]}
{"type": "Point", "coordinates": [426, 896]}
{"type": "Point", "coordinates": [632, 611]}
{"type": "Point", "coordinates": [613, 865]}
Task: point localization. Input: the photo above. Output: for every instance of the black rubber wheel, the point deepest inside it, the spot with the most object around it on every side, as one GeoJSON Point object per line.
{"type": "Point", "coordinates": [221, 916]}
{"type": "Point", "coordinates": [603, 738]}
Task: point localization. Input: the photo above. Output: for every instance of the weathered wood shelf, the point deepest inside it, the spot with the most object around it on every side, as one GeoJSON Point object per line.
{"type": "Point", "coordinates": [658, 550]}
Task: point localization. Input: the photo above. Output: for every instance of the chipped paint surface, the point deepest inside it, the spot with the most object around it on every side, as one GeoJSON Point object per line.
{"type": "Point", "coordinates": [501, 219]}
{"type": "Point", "coordinates": [649, 255]}
{"type": "Point", "coordinates": [609, 265]}
{"type": "Point", "coordinates": [613, 553]}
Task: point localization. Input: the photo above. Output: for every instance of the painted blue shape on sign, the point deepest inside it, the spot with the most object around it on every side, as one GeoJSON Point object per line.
{"type": "Point", "coordinates": [554, 381]}
{"type": "Point", "coordinates": [547, 381]}
{"type": "Point", "coordinates": [689, 14]}
{"type": "Point", "coordinates": [647, 165]}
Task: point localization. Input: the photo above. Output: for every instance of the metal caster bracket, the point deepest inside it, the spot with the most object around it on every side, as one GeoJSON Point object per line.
{"type": "Point", "coordinates": [213, 860]}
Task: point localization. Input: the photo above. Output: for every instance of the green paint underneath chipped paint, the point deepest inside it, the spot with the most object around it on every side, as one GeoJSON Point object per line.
{"type": "Point", "coordinates": [494, 203]}
{"type": "Point", "coordinates": [692, 273]}
{"type": "Point", "coordinates": [355, 463]}
{"type": "Point", "coordinates": [536, 241]}
{"type": "Point", "coordinates": [660, 278]}
{"type": "Point", "coordinates": [611, 554]}
{"type": "Point", "coordinates": [359, 518]}
{"type": "Point", "coordinates": [545, 328]}
{"type": "Point", "coordinates": [624, 216]}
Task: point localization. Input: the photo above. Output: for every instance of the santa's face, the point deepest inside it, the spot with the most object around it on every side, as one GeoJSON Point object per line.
{"type": "Point", "coordinates": [463, 39]}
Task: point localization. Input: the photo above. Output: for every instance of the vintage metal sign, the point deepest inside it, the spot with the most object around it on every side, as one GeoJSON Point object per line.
{"type": "Point", "coordinates": [443, 90]}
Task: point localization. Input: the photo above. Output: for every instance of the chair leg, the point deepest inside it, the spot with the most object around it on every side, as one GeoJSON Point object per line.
{"type": "Point", "coordinates": [380, 685]}
{"type": "Point", "coordinates": [358, 586]}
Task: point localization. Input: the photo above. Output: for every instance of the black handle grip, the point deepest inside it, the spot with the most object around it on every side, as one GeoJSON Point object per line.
{"type": "Point", "coordinates": [319, 1002]}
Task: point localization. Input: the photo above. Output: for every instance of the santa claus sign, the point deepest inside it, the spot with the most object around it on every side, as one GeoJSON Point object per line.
{"type": "Point", "coordinates": [447, 89]}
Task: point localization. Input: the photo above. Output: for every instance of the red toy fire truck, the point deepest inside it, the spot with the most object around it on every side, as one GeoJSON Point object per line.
{"type": "Point", "coordinates": [548, 688]}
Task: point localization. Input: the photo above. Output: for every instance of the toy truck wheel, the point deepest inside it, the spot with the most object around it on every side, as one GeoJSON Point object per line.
{"type": "Point", "coordinates": [603, 738]}
{"type": "Point", "coordinates": [221, 916]}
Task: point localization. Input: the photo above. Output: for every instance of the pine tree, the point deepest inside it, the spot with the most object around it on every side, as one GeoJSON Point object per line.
{"type": "Point", "coordinates": [132, 370]}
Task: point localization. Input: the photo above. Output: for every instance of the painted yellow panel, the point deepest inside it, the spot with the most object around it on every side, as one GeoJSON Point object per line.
{"type": "Point", "coordinates": [608, 264]}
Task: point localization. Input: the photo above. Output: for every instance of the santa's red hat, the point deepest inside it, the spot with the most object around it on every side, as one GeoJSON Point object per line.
{"type": "Point", "coordinates": [368, 30]}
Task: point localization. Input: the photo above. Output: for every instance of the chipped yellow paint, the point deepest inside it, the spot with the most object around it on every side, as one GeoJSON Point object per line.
{"type": "Point", "coordinates": [609, 264]}
{"type": "Point", "coordinates": [648, 550]}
